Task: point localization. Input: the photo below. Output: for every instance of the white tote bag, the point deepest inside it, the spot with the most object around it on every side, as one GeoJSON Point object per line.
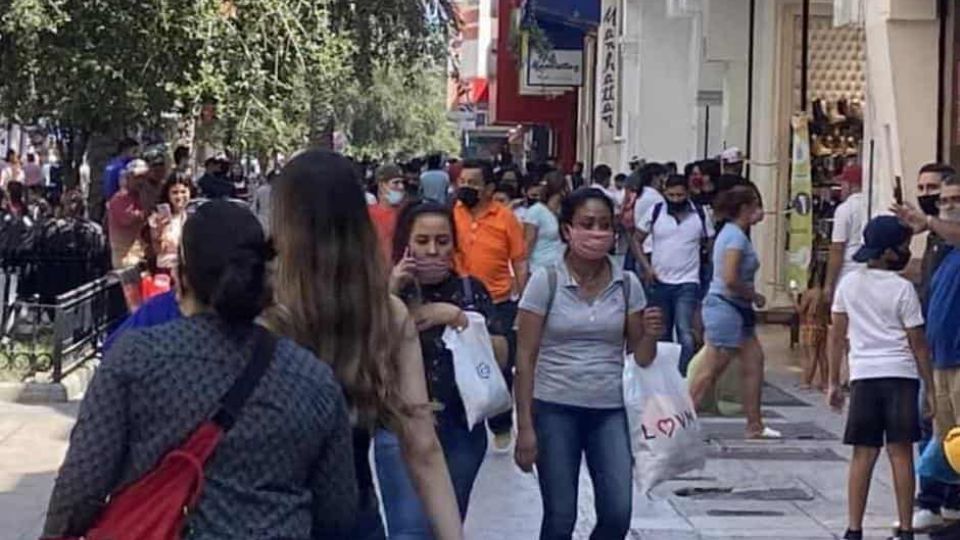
{"type": "Point", "coordinates": [664, 429]}
{"type": "Point", "coordinates": [482, 387]}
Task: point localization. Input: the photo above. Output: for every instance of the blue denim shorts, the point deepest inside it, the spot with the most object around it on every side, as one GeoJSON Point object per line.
{"type": "Point", "coordinates": [727, 325]}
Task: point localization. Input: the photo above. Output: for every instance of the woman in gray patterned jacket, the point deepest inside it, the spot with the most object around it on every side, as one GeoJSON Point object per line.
{"type": "Point", "coordinates": [285, 470]}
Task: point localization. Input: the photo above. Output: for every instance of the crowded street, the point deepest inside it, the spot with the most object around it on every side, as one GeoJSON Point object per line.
{"type": "Point", "coordinates": [506, 502]}
{"type": "Point", "coordinates": [480, 270]}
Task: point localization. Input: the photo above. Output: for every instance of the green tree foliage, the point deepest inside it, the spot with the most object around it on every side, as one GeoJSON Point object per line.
{"type": "Point", "coordinates": [401, 112]}
{"type": "Point", "coordinates": [275, 71]}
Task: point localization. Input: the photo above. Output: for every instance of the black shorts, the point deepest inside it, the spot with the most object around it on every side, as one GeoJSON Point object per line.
{"type": "Point", "coordinates": [883, 410]}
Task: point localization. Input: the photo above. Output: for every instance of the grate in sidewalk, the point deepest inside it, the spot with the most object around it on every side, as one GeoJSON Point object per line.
{"type": "Point", "coordinates": [777, 453]}
{"type": "Point", "coordinates": [775, 397]}
{"type": "Point", "coordinates": [744, 513]}
{"type": "Point", "coordinates": [731, 494]}
{"type": "Point", "coordinates": [805, 431]}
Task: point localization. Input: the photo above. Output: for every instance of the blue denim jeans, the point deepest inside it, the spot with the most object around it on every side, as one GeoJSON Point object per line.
{"type": "Point", "coordinates": [679, 304]}
{"type": "Point", "coordinates": [933, 495]}
{"type": "Point", "coordinates": [464, 451]}
{"type": "Point", "coordinates": [565, 434]}
{"type": "Point", "coordinates": [506, 314]}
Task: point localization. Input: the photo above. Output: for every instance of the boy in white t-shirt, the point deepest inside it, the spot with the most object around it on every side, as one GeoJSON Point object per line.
{"type": "Point", "coordinates": [877, 314]}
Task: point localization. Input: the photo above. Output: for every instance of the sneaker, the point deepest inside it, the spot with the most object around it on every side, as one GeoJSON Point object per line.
{"type": "Point", "coordinates": [902, 535]}
{"type": "Point", "coordinates": [853, 535]}
{"type": "Point", "coordinates": [502, 442]}
{"type": "Point", "coordinates": [766, 433]}
{"type": "Point", "coordinates": [950, 514]}
{"type": "Point", "coordinates": [925, 520]}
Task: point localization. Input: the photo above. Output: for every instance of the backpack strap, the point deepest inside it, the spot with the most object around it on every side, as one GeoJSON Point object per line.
{"type": "Point", "coordinates": [703, 219]}
{"type": "Point", "coordinates": [657, 210]}
{"type": "Point", "coordinates": [265, 343]}
{"type": "Point", "coordinates": [552, 287]}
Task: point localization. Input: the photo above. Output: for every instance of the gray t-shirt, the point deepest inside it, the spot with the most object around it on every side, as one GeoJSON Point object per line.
{"type": "Point", "coordinates": [581, 351]}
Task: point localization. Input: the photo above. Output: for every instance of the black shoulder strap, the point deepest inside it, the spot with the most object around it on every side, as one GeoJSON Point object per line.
{"type": "Point", "coordinates": [657, 210]}
{"type": "Point", "coordinates": [468, 302]}
{"type": "Point", "coordinates": [232, 402]}
{"type": "Point", "coordinates": [703, 219]}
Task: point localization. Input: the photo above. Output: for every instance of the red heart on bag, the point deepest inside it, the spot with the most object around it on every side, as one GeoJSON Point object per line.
{"type": "Point", "coordinates": [667, 426]}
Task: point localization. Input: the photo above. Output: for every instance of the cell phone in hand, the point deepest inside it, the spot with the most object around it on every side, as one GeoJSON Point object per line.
{"type": "Point", "coordinates": [898, 191]}
{"type": "Point", "coordinates": [164, 211]}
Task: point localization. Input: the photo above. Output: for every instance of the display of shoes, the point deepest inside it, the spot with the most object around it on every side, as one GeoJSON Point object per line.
{"type": "Point", "coordinates": [822, 147]}
{"type": "Point", "coordinates": [834, 114]}
{"type": "Point", "coordinates": [820, 123]}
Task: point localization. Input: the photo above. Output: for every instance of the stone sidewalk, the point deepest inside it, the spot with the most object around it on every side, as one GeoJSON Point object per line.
{"type": "Point", "coordinates": [735, 498]}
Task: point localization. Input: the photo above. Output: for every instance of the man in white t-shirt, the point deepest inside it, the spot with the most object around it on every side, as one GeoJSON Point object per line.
{"type": "Point", "coordinates": [650, 176]}
{"type": "Point", "coordinates": [678, 231]}
{"type": "Point", "coordinates": [848, 222]}
{"type": "Point", "coordinates": [877, 313]}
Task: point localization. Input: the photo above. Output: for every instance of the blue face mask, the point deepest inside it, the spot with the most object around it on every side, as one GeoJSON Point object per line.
{"type": "Point", "coordinates": [394, 198]}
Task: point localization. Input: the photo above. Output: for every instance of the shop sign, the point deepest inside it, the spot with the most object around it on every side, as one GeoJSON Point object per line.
{"type": "Point", "coordinates": [609, 72]}
{"type": "Point", "coordinates": [555, 68]}
{"type": "Point", "coordinates": [801, 215]}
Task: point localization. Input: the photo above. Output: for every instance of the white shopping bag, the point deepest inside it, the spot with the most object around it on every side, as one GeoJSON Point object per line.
{"type": "Point", "coordinates": [664, 430]}
{"type": "Point", "coordinates": [482, 387]}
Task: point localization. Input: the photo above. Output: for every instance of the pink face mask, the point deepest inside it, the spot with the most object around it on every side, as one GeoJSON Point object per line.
{"type": "Point", "coordinates": [432, 270]}
{"type": "Point", "coordinates": [590, 244]}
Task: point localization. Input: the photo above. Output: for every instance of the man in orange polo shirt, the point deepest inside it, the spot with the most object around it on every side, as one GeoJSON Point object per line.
{"type": "Point", "coordinates": [390, 196]}
{"type": "Point", "coordinates": [491, 248]}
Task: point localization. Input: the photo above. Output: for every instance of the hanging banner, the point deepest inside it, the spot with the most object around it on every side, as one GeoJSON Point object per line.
{"type": "Point", "coordinates": [608, 73]}
{"type": "Point", "coordinates": [801, 211]}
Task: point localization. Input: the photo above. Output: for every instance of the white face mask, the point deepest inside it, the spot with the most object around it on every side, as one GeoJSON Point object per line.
{"type": "Point", "coordinates": [950, 214]}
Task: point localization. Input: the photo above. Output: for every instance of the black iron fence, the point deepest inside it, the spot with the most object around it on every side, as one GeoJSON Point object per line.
{"type": "Point", "coordinates": [40, 335]}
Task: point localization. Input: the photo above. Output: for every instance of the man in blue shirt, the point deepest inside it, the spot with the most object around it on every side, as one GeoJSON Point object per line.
{"type": "Point", "coordinates": [943, 312]}
{"type": "Point", "coordinates": [158, 310]}
{"type": "Point", "coordinates": [127, 149]}
{"type": "Point", "coordinates": [435, 182]}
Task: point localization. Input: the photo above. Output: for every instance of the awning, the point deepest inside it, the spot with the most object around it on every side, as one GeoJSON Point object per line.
{"type": "Point", "coordinates": [581, 14]}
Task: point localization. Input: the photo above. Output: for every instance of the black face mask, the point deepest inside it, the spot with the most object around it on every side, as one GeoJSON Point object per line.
{"type": "Point", "coordinates": [468, 196]}
{"type": "Point", "coordinates": [928, 203]}
{"type": "Point", "coordinates": [705, 198]}
{"type": "Point", "coordinates": [901, 262]}
{"type": "Point", "coordinates": [531, 201]}
{"type": "Point", "coordinates": [677, 207]}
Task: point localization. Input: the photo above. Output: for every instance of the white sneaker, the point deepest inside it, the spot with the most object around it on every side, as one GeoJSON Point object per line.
{"type": "Point", "coordinates": [502, 442]}
{"type": "Point", "coordinates": [767, 433]}
{"type": "Point", "coordinates": [949, 514]}
{"type": "Point", "coordinates": [925, 520]}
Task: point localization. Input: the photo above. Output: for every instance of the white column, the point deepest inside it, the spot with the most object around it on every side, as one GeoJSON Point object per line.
{"type": "Point", "coordinates": [902, 74]}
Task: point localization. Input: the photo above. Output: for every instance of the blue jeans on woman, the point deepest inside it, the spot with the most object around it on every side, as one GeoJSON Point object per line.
{"type": "Point", "coordinates": [679, 304]}
{"type": "Point", "coordinates": [564, 435]}
{"type": "Point", "coordinates": [464, 451]}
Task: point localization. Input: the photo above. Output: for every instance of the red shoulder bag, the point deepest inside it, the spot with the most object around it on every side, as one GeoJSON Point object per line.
{"type": "Point", "coordinates": [156, 506]}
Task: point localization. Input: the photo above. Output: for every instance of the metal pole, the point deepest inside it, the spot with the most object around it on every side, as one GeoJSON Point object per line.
{"type": "Point", "coordinates": [870, 184]}
{"type": "Point", "coordinates": [941, 76]}
{"type": "Point", "coordinates": [805, 53]}
{"type": "Point", "coordinates": [750, 54]}
{"type": "Point", "coordinates": [706, 134]}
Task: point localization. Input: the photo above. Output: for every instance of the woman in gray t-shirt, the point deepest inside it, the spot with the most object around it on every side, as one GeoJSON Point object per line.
{"type": "Point", "coordinates": [575, 321]}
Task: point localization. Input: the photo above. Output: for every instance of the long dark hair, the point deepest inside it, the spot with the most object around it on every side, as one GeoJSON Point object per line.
{"type": "Point", "coordinates": [331, 282]}
{"type": "Point", "coordinates": [409, 215]}
{"type": "Point", "coordinates": [177, 179]}
{"type": "Point", "coordinates": [224, 258]}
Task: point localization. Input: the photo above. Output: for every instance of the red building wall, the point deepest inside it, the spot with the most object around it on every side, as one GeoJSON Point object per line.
{"type": "Point", "coordinates": [557, 112]}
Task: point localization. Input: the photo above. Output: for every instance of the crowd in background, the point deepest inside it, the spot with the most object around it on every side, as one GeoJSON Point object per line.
{"type": "Point", "coordinates": [374, 262]}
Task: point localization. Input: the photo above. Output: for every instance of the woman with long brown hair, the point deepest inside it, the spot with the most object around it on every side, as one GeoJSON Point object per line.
{"type": "Point", "coordinates": [333, 298]}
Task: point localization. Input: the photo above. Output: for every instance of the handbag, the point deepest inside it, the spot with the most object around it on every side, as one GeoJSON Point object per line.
{"type": "Point", "coordinates": [156, 506]}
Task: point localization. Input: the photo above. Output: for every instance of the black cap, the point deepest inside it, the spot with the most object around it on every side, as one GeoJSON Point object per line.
{"type": "Point", "coordinates": [882, 233]}
{"type": "Point", "coordinates": [216, 233]}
